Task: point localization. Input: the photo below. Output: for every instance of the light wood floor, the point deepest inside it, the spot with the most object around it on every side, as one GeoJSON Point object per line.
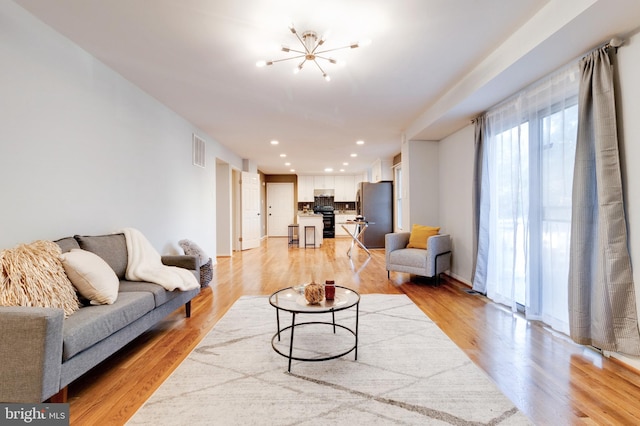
{"type": "Point", "coordinates": [553, 381]}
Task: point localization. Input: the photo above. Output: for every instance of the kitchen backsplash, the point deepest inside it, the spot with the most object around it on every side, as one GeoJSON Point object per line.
{"type": "Point", "coordinates": [337, 205]}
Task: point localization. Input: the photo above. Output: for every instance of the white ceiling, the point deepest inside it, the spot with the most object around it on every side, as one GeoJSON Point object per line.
{"type": "Point", "coordinates": [432, 65]}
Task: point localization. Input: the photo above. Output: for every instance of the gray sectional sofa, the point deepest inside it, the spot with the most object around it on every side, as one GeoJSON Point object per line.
{"type": "Point", "coordinates": [41, 352]}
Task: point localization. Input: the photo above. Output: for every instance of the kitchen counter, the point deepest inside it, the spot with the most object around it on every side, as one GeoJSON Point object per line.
{"type": "Point", "coordinates": [310, 219]}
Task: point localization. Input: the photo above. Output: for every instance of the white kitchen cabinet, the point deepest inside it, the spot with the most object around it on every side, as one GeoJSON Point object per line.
{"type": "Point", "coordinates": [305, 188]}
{"type": "Point", "coordinates": [324, 182]}
{"type": "Point", "coordinates": [381, 170]}
{"type": "Point", "coordinates": [351, 186]}
{"type": "Point", "coordinates": [340, 189]}
{"type": "Point", "coordinates": [345, 188]}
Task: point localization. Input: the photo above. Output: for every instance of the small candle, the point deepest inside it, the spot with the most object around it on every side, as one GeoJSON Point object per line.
{"type": "Point", "coordinates": [329, 290]}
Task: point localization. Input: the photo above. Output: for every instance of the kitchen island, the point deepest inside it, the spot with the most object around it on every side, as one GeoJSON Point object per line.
{"type": "Point", "coordinates": [310, 219]}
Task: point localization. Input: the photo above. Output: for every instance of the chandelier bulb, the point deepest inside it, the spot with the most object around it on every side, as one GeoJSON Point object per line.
{"type": "Point", "coordinates": [326, 76]}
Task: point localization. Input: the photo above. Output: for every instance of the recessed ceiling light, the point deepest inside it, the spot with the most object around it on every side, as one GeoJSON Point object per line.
{"type": "Point", "coordinates": [354, 155]}
{"type": "Point", "coordinates": [287, 164]}
{"type": "Point", "coordinates": [274, 142]}
{"type": "Point", "coordinates": [283, 155]}
{"type": "Point", "coordinates": [342, 170]}
{"type": "Point", "coordinates": [292, 170]}
{"type": "Point", "coordinates": [345, 164]}
{"type": "Point", "coordinates": [328, 169]}
{"type": "Point", "coordinates": [360, 142]}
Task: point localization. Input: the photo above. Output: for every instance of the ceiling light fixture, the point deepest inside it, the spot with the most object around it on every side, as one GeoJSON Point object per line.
{"type": "Point", "coordinates": [310, 43]}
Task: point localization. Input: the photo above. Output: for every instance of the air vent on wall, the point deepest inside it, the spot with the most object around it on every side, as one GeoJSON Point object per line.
{"type": "Point", "coordinates": [198, 151]}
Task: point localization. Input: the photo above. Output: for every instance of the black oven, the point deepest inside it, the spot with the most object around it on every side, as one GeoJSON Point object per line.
{"type": "Point", "coordinates": [328, 220]}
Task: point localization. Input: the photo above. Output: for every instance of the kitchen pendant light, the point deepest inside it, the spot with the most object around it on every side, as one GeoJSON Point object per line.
{"type": "Point", "coordinates": [310, 42]}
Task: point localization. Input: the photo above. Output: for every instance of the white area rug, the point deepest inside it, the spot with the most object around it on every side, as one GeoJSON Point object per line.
{"type": "Point", "coordinates": [408, 372]}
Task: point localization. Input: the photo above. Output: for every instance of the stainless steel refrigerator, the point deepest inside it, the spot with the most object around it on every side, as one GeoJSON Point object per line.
{"type": "Point", "coordinates": [374, 201]}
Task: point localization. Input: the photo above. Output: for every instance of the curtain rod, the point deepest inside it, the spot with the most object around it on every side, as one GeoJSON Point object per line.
{"type": "Point", "coordinates": [614, 43]}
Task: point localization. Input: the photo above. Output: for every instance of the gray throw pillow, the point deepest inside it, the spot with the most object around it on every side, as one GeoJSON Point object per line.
{"type": "Point", "coordinates": [192, 249]}
{"type": "Point", "coordinates": [67, 244]}
{"type": "Point", "coordinates": [111, 248]}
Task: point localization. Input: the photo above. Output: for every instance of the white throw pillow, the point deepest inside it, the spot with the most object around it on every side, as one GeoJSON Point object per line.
{"type": "Point", "coordinates": [91, 276]}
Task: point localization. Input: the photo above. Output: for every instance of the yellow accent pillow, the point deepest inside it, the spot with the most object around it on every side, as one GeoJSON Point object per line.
{"type": "Point", "coordinates": [420, 234]}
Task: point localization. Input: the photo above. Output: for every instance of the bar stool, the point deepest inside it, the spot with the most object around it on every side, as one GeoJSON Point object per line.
{"type": "Point", "coordinates": [306, 236]}
{"type": "Point", "coordinates": [294, 237]}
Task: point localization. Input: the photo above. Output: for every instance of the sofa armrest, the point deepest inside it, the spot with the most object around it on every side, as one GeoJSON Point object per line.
{"type": "Point", "coordinates": [183, 261]}
{"type": "Point", "coordinates": [30, 353]}
{"type": "Point", "coordinates": [437, 245]}
{"type": "Point", "coordinates": [395, 241]}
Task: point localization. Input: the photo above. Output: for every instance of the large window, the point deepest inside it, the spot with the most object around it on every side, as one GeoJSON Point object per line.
{"type": "Point", "coordinates": [526, 196]}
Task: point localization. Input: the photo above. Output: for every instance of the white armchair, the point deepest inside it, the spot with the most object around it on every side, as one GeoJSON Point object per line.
{"type": "Point", "coordinates": [431, 262]}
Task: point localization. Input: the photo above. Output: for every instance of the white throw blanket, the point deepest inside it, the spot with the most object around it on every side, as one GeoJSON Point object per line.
{"type": "Point", "coordinates": [145, 264]}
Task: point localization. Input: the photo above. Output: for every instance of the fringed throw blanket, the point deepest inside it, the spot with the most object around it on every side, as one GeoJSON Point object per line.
{"type": "Point", "coordinates": [32, 275]}
{"type": "Point", "coordinates": [145, 264]}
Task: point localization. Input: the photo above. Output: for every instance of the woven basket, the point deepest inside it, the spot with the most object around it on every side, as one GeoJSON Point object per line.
{"type": "Point", "coordinates": [206, 273]}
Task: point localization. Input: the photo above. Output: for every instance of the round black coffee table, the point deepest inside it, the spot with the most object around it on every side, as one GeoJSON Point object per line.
{"type": "Point", "coordinates": [291, 299]}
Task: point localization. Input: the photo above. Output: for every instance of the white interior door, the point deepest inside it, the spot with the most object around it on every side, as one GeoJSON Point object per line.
{"type": "Point", "coordinates": [250, 188]}
{"type": "Point", "coordinates": [280, 210]}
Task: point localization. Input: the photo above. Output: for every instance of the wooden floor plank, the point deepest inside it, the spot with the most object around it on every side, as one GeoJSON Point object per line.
{"type": "Point", "coordinates": [552, 380]}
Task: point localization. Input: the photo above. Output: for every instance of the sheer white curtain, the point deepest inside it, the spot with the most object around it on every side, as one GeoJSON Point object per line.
{"type": "Point", "coordinates": [525, 202]}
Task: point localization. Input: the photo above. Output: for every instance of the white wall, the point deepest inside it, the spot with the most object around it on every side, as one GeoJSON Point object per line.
{"type": "Point", "coordinates": [224, 201]}
{"type": "Point", "coordinates": [455, 202]}
{"type": "Point", "coordinates": [420, 184]}
{"type": "Point", "coordinates": [629, 76]}
{"type": "Point", "coordinates": [84, 151]}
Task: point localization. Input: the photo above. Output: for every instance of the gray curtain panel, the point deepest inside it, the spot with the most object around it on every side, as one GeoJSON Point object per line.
{"type": "Point", "coordinates": [480, 222]}
{"type": "Point", "coordinates": [602, 309]}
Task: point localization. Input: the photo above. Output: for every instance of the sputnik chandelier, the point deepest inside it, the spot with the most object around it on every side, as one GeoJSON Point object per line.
{"type": "Point", "coordinates": [310, 43]}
